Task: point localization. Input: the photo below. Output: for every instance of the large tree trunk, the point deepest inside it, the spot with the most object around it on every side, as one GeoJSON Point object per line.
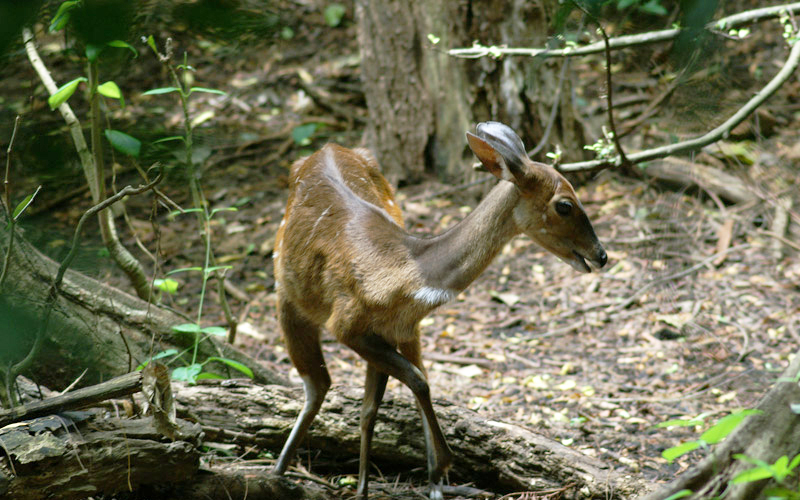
{"type": "Point", "coordinates": [421, 101]}
{"type": "Point", "coordinates": [92, 327]}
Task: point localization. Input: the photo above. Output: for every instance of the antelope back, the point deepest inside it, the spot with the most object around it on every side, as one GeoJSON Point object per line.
{"type": "Point", "coordinates": [341, 237]}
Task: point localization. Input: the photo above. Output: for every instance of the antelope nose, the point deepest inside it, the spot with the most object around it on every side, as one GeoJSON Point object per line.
{"type": "Point", "coordinates": [602, 257]}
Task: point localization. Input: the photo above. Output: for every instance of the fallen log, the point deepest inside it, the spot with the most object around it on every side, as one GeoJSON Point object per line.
{"type": "Point", "coordinates": [81, 398]}
{"type": "Point", "coordinates": [492, 454]}
{"type": "Point", "coordinates": [96, 331]}
{"type": "Point", "coordinates": [63, 457]}
{"type": "Point", "coordinates": [688, 174]}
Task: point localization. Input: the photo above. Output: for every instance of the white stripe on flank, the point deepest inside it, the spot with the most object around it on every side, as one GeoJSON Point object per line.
{"type": "Point", "coordinates": [433, 296]}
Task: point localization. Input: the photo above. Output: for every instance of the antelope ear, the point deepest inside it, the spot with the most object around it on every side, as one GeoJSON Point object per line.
{"type": "Point", "coordinates": [491, 159]}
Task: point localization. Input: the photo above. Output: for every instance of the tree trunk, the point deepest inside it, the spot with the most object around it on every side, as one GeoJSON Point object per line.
{"type": "Point", "coordinates": [421, 101]}
{"type": "Point", "coordinates": [767, 437]}
{"type": "Point", "coordinates": [93, 326]}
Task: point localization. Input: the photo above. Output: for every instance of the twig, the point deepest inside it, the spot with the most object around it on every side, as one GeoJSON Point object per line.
{"type": "Point", "coordinates": [126, 191]}
{"type": "Point", "coordinates": [625, 41]}
{"type": "Point", "coordinates": [678, 275]}
{"type": "Point", "coordinates": [553, 110]}
{"type": "Point", "coordinates": [9, 212]}
{"type": "Point", "coordinates": [609, 88]}
{"type": "Point", "coordinates": [720, 132]}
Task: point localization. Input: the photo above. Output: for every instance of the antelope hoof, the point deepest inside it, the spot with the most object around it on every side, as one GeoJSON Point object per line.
{"type": "Point", "coordinates": [436, 491]}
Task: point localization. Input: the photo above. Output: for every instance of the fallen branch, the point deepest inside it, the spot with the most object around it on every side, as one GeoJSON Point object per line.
{"type": "Point", "coordinates": [81, 398]}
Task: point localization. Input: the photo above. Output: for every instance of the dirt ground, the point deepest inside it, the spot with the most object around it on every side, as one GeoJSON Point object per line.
{"type": "Point", "coordinates": [594, 361]}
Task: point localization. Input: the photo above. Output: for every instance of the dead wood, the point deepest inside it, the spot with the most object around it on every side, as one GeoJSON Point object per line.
{"type": "Point", "coordinates": [81, 398]}
{"type": "Point", "coordinates": [688, 174]}
{"type": "Point", "coordinates": [62, 457]}
{"type": "Point", "coordinates": [94, 327]}
{"type": "Point", "coordinates": [493, 454]}
{"type": "Point", "coordinates": [767, 437]}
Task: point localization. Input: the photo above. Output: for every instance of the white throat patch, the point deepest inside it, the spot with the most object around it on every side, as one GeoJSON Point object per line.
{"type": "Point", "coordinates": [433, 296]}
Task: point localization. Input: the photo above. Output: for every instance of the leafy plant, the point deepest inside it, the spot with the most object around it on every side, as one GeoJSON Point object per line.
{"type": "Point", "coordinates": [94, 162]}
{"type": "Point", "coordinates": [604, 148]}
{"type": "Point", "coordinates": [778, 471]}
{"type": "Point", "coordinates": [713, 435]}
{"type": "Point", "coordinates": [193, 371]}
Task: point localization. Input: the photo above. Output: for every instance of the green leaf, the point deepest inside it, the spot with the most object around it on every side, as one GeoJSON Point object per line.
{"type": "Point", "coordinates": [671, 454]}
{"type": "Point", "coordinates": [624, 4]}
{"type": "Point", "coordinates": [222, 209]}
{"type": "Point", "coordinates": [123, 45]}
{"type": "Point", "coordinates": [209, 375]}
{"type": "Point", "coordinates": [162, 354]}
{"type": "Point", "coordinates": [750, 475]}
{"type": "Point", "coordinates": [110, 89]}
{"type": "Point", "coordinates": [62, 15]}
{"type": "Point", "coordinates": [679, 494]}
{"type": "Point", "coordinates": [124, 143]}
{"type": "Point", "coordinates": [725, 426]}
{"type": "Point", "coordinates": [208, 91]}
{"type": "Point", "coordinates": [184, 269]}
{"type": "Point", "coordinates": [93, 51]}
{"type": "Point", "coordinates": [680, 423]}
{"type": "Point", "coordinates": [287, 33]}
{"type": "Point", "coordinates": [152, 43]}
{"type": "Point", "coordinates": [215, 330]}
{"type": "Point", "coordinates": [211, 269]}
{"type": "Point", "coordinates": [234, 364]}
{"type": "Point", "coordinates": [654, 7]}
{"type": "Point", "coordinates": [186, 328]}
{"type": "Point", "coordinates": [64, 92]}
{"type": "Point", "coordinates": [166, 285]}
{"type": "Point", "coordinates": [24, 204]}
{"type": "Point", "coordinates": [794, 463]}
{"type": "Point", "coordinates": [162, 90]}
{"type": "Point", "coordinates": [333, 14]}
{"type": "Point", "coordinates": [187, 373]}
{"type": "Point", "coordinates": [302, 134]}
{"type": "Point", "coordinates": [170, 138]}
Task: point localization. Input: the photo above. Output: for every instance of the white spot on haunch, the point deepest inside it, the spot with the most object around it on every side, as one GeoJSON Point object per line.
{"type": "Point", "coordinates": [283, 221]}
{"type": "Point", "coordinates": [433, 296]}
{"type": "Point", "coordinates": [390, 203]}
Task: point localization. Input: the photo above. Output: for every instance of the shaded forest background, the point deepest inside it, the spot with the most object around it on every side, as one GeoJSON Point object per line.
{"type": "Point", "coordinates": [696, 314]}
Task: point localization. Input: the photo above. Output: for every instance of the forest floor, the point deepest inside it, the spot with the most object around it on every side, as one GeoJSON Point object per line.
{"type": "Point", "coordinates": [595, 361]}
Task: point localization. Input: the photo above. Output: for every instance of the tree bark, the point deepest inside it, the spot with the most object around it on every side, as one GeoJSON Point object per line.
{"type": "Point", "coordinates": [520, 460]}
{"type": "Point", "coordinates": [767, 437]}
{"type": "Point", "coordinates": [93, 326]}
{"type": "Point", "coordinates": [421, 101]}
{"type": "Point", "coordinates": [108, 456]}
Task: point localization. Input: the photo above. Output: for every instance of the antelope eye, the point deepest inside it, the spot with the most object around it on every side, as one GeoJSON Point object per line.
{"type": "Point", "coordinates": [563, 207]}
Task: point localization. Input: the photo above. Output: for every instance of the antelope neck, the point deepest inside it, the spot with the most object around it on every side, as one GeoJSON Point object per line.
{"type": "Point", "coordinates": [453, 259]}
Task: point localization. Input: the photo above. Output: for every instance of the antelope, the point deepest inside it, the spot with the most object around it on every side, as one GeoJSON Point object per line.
{"type": "Point", "coordinates": [344, 262]}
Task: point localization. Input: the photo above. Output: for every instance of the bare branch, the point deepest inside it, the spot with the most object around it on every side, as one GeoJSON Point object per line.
{"type": "Point", "coordinates": [720, 132]}
{"type": "Point", "coordinates": [625, 41]}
